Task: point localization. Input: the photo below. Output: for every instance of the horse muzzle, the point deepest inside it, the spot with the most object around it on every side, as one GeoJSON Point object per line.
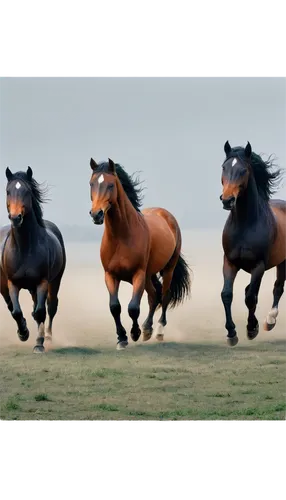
{"type": "Point", "coordinates": [16, 220]}
{"type": "Point", "coordinates": [97, 217]}
{"type": "Point", "coordinates": [228, 203]}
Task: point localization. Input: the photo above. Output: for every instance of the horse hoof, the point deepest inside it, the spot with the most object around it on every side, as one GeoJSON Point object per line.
{"type": "Point", "coordinates": [232, 341]}
{"type": "Point", "coordinates": [160, 337]}
{"type": "Point", "coordinates": [39, 349]}
{"type": "Point", "coordinates": [23, 336]}
{"type": "Point", "coordinates": [268, 326]}
{"type": "Point", "coordinates": [135, 336]}
{"type": "Point", "coordinates": [147, 334]}
{"type": "Point", "coordinates": [122, 345]}
{"type": "Point", "coordinates": [251, 334]}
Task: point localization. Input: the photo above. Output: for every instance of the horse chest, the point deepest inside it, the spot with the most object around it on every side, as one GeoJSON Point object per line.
{"type": "Point", "coordinates": [32, 265]}
{"type": "Point", "coordinates": [241, 254]}
{"type": "Point", "coordinates": [244, 251]}
{"type": "Point", "coordinates": [29, 266]}
{"type": "Point", "coordinates": [121, 261]}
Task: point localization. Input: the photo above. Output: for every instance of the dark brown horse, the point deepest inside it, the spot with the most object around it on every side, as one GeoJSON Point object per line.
{"type": "Point", "coordinates": [254, 236]}
{"type": "Point", "coordinates": [32, 255]}
{"type": "Point", "coordinates": [136, 247]}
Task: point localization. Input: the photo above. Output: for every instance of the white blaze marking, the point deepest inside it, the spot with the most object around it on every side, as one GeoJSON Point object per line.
{"type": "Point", "coordinates": [100, 179]}
{"type": "Point", "coordinates": [234, 161]}
{"type": "Point", "coordinates": [18, 185]}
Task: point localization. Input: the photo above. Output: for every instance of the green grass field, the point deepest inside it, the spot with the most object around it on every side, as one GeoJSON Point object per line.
{"type": "Point", "coordinates": [167, 381]}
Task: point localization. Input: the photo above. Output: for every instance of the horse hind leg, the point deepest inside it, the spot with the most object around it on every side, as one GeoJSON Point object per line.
{"type": "Point", "coordinates": [167, 275]}
{"type": "Point", "coordinates": [52, 303]}
{"type": "Point", "coordinates": [153, 288]}
{"type": "Point", "coordinates": [176, 286]}
{"type": "Point", "coordinates": [278, 290]}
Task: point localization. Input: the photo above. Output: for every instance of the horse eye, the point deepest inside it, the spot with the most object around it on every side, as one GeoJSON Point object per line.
{"type": "Point", "coordinates": [8, 193]}
{"type": "Point", "coordinates": [110, 186]}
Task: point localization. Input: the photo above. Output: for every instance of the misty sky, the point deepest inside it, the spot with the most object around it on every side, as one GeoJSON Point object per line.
{"type": "Point", "coordinates": [171, 129]}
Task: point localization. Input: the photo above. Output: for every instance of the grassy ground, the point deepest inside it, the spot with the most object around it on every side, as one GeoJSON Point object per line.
{"type": "Point", "coordinates": [168, 381]}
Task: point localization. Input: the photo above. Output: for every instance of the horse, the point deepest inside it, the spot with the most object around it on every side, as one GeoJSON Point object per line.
{"type": "Point", "coordinates": [32, 255]}
{"type": "Point", "coordinates": [254, 235]}
{"type": "Point", "coordinates": [138, 247]}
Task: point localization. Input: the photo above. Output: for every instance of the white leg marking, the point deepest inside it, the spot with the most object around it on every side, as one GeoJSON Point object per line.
{"type": "Point", "coordinates": [159, 332]}
{"type": "Point", "coordinates": [41, 330]}
{"type": "Point", "coordinates": [271, 316]}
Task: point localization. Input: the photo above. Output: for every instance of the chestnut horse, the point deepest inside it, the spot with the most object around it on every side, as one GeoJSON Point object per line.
{"type": "Point", "coordinates": [32, 255]}
{"type": "Point", "coordinates": [254, 236]}
{"type": "Point", "coordinates": [137, 246]}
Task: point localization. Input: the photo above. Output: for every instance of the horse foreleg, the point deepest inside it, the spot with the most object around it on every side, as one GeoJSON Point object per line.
{"type": "Point", "coordinates": [251, 296]}
{"type": "Point", "coordinates": [115, 309]}
{"type": "Point", "coordinates": [229, 274]}
{"type": "Point", "coordinates": [16, 311]}
{"type": "Point", "coordinates": [278, 290]}
{"type": "Point", "coordinates": [40, 316]}
{"type": "Point", "coordinates": [138, 283]}
{"type": "Point", "coordinates": [154, 291]}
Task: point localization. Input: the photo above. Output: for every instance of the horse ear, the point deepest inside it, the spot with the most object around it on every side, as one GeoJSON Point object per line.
{"type": "Point", "coordinates": [9, 174]}
{"type": "Point", "coordinates": [29, 173]}
{"type": "Point", "coordinates": [112, 168]}
{"type": "Point", "coordinates": [227, 148]}
{"type": "Point", "coordinates": [248, 150]}
{"type": "Point", "coordinates": [93, 164]}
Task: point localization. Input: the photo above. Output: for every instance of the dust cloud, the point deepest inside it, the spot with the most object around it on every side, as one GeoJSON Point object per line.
{"type": "Point", "coordinates": [84, 319]}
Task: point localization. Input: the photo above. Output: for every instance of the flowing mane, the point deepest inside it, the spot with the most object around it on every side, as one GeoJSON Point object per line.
{"type": "Point", "coordinates": [39, 193]}
{"type": "Point", "coordinates": [266, 173]}
{"type": "Point", "coordinates": [130, 184]}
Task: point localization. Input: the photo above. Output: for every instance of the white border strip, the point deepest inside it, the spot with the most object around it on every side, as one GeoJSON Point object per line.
{"type": "Point", "coordinates": [142, 74]}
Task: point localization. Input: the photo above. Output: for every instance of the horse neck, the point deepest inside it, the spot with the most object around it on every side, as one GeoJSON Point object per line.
{"type": "Point", "coordinates": [121, 217]}
{"type": "Point", "coordinates": [26, 236]}
{"type": "Point", "coordinates": [250, 207]}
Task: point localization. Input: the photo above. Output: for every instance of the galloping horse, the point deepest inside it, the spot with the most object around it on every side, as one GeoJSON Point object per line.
{"type": "Point", "coordinates": [32, 255]}
{"type": "Point", "coordinates": [136, 247]}
{"type": "Point", "coordinates": [254, 236]}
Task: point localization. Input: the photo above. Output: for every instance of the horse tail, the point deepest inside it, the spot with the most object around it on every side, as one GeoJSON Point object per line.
{"type": "Point", "coordinates": [181, 283]}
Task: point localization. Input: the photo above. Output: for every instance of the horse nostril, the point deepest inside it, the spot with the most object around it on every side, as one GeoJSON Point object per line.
{"type": "Point", "coordinates": [19, 217]}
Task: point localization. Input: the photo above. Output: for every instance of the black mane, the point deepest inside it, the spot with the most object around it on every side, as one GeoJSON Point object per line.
{"type": "Point", "coordinates": [266, 173]}
{"type": "Point", "coordinates": [130, 184]}
{"type": "Point", "coordinates": [38, 192]}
